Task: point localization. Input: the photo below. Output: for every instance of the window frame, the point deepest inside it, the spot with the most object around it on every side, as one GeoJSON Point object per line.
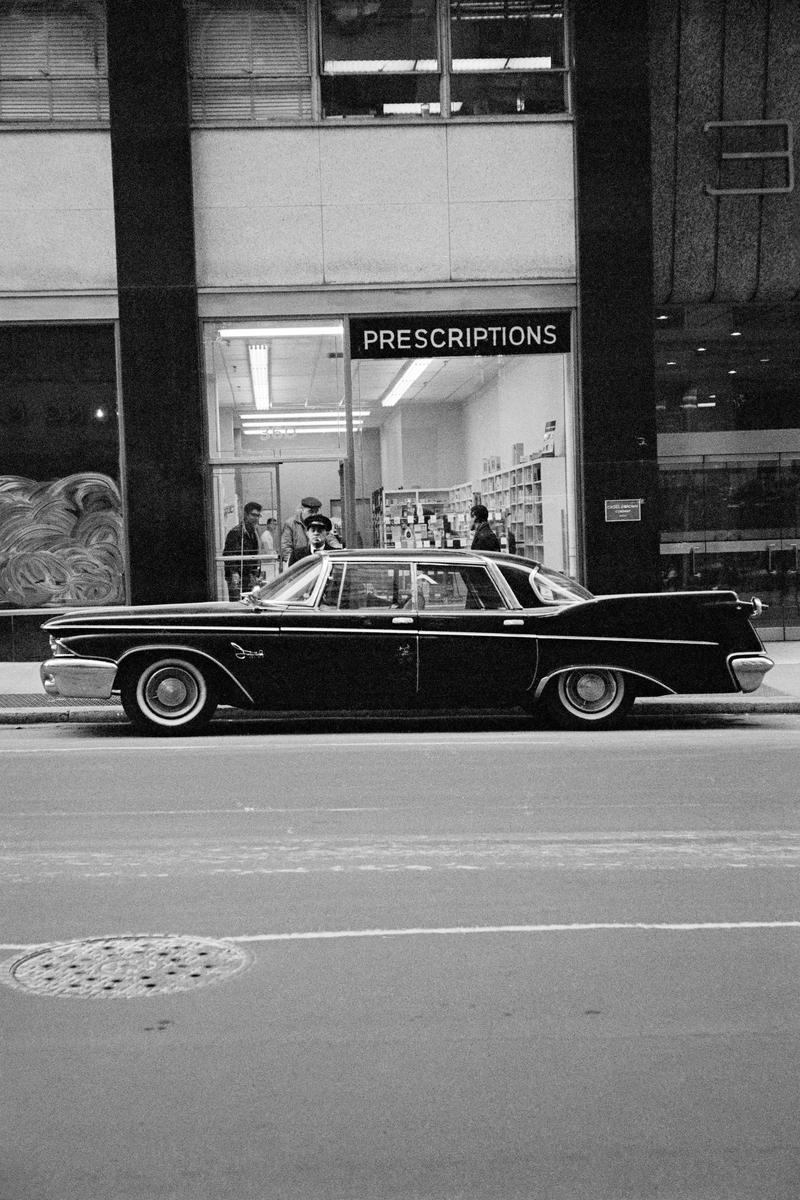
{"type": "Point", "coordinates": [94, 86]}
{"type": "Point", "coordinates": [443, 75]}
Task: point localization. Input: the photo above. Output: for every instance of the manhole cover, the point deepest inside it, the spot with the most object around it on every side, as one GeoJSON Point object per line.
{"type": "Point", "coordinates": [126, 967]}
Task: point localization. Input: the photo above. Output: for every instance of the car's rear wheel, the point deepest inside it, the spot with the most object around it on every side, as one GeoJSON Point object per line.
{"type": "Point", "coordinates": [169, 695]}
{"type": "Point", "coordinates": [589, 698]}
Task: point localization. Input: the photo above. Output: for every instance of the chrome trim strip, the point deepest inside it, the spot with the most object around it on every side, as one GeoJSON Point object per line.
{"type": "Point", "coordinates": [542, 684]}
{"type": "Point", "coordinates": [653, 641]}
{"type": "Point", "coordinates": [85, 630]}
{"type": "Point", "coordinates": [396, 631]}
{"type": "Point", "coordinates": [189, 650]}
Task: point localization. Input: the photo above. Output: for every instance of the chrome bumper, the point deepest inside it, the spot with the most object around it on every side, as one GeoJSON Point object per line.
{"type": "Point", "coordinates": [78, 677]}
{"type": "Point", "coordinates": [749, 670]}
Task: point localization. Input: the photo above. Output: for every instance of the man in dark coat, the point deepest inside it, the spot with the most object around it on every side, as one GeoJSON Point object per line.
{"type": "Point", "coordinates": [484, 537]}
{"type": "Point", "coordinates": [241, 550]}
{"type": "Point", "coordinates": [318, 526]}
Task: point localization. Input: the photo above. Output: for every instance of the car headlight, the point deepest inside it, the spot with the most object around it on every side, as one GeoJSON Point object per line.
{"type": "Point", "coordinates": [58, 649]}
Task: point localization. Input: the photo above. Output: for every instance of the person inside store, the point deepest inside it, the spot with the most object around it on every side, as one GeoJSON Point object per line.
{"type": "Point", "coordinates": [483, 536]}
{"type": "Point", "coordinates": [318, 526]}
{"type": "Point", "coordinates": [294, 535]}
{"type": "Point", "coordinates": [241, 550]}
{"type": "Point", "coordinates": [510, 539]}
{"type": "Point", "coordinates": [268, 536]}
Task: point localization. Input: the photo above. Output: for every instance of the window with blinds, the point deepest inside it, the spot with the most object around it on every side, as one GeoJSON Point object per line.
{"type": "Point", "coordinates": [249, 60]}
{"type": "Point", "coordinates": [53, 63]}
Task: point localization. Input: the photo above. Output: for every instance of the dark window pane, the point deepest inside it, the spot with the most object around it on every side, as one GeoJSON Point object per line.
{"type": "Point", "coordinates": [485, 94]}
{"type": "Point", "coordinates": [527, 30]}
{"type": "Point", "coordinates": [376, 35]}
{"type": "Point", "coordinates": [380, 95]}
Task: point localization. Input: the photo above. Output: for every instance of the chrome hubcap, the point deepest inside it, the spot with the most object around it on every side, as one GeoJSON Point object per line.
{"type": "Point", "coordinates": [171, 692]}
{"type": "Point", "coordinates": [590, 688]}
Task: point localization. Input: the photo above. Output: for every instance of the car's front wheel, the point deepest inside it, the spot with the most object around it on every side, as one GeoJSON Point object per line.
{"type": "Point", "coordinates": [169, 695]}
{"type": "Point", "coordinates": [589, 698]}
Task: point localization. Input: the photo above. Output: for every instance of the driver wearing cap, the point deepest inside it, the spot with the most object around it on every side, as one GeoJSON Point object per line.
{"type": "Point", "coordinates": [294, 535]}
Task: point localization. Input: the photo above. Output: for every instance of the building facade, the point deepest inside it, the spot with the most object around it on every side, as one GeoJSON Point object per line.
{"type": "Point", "coordinates": [400, 256]}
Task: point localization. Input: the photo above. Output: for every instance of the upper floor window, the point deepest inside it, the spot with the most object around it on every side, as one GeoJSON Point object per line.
{"type": "Point", "coordinates": [249, 60]}
{"type": "Point", "coordinates": [507, 56]}
{"type": "Point", "coordinates": [442, 57]}
{"type": "Point", "coordinates": [53, 63]}
{"type": "Point", "coordinates": [255, 61]}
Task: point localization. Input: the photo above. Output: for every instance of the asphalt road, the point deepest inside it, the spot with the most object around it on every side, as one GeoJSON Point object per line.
{"type": "Point", "coordinates": [472, 964]}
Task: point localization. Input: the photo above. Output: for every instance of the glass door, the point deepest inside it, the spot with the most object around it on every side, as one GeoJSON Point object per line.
{"type": "Point", "coordinates": [254, 550]}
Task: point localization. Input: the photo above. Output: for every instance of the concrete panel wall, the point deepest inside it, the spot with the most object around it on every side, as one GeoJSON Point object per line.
{"type": "Point", "coordinates": [56, 212]}
{"type": "Point", "coordinates": [370, 205]}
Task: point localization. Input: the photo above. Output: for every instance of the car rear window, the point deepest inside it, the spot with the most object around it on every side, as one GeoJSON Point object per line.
{"type": "Point", "coordinates": [535, 586]}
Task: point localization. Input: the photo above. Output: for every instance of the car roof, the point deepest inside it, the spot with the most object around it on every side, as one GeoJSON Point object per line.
{"type": "Point", "coordinates": [433, 552]}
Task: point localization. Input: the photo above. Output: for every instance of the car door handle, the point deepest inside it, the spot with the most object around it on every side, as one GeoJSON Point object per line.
{"type": "Point", "coordinates": [402, 620]}
{"type": "Point", "coordinates": [513, 621]}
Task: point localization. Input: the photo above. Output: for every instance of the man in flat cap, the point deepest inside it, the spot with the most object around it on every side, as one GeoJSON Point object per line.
{"type": "Point", "coordinates": [318, 526]}
{"type": "Point", "coordinates": [294, 535]}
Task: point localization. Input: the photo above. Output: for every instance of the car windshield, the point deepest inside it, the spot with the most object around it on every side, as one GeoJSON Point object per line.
{"type": "Point", "coordinates": [534, 585]}
{"type": "Point", "coordinates": [292, 587]}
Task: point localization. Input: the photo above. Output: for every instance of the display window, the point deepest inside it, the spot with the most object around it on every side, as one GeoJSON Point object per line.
{"type": "Point", "coordinates": [395, 426]}
{"type": "Point", "coordinates": [729, 452]}
{"type": "Point", "coordinates": [61, 521]}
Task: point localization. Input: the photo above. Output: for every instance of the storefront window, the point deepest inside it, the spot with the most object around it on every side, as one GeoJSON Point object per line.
{"type": "Point", "coordinates": [277, 427]}
{"type": "Point", "coordinates": [61, 534]}
{"type": "Point", "coordinates": [727, 380]}
{"type": "Point", "coordinates": [446, 411]}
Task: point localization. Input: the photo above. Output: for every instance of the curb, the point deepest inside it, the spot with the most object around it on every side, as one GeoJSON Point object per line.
{"type": "Point", "coordinates": [661, 707]}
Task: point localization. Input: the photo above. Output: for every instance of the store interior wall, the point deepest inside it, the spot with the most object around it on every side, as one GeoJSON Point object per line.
{"type": "Point", "coordinates": [445, 445]}
{"type": "Point", "coordinates": [298, 479]}
{"type": "Point", "coordinates": [527, 393]}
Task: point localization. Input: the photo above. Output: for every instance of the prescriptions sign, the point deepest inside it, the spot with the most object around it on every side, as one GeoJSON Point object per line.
{"type": "Point", "coordinates": [450, 335]}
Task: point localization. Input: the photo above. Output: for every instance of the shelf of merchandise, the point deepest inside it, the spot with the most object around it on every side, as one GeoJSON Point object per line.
{"type": "Point", "coordinates": [518, 490]}
{"type": "Point", "coordinates": [408, 516]}
{"type": "Point", "coordinates": [461, 499]}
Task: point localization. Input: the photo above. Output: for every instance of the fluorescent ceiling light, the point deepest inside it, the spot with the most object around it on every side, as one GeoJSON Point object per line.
{"type": "Point", "coordinates": [413, 110]}
{"type": "Point", "coordinates": [378, 66]}
{"type": "Point", "coordinates": [259, 374]}
{"type": "Point", "coordinates": [706, 404]}
{"type": "Point", "coordinates": [479, 64]}
{"type": "Point", "coordinates": [404, 381]}
{"type": "Point", "coordinates": [475, 65]}
{"type": "Point", "coordinates": [279, 331]}
{"type": "Point", "coordinates": [323, 427]}
{"type": "Point", "coordinates": [306, 414]}
{"type": "Point", "coordinates": [529, 64]}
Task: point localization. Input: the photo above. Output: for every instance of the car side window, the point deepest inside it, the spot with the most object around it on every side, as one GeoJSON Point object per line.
{"type": "Point", "coordinates": [368, 585]}
{"type": "Point", "coordinates": [520, 581]}
{"type": "Point", "coordinates": [332, 591]}
{"type": "Point", "coordinates": [457, 588]}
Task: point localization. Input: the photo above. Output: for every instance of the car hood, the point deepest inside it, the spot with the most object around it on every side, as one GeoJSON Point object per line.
{"type": "Point", "coordinates": [165, 613]}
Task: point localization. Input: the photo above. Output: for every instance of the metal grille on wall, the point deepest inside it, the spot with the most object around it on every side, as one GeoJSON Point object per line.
{"type": "Point", "coordinates": [724, 83]}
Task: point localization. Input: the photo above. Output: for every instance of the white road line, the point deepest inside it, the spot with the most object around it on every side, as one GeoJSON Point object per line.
{"type": "Point", "coordinates": [323, 742]}
{"type": "Point", "coordinates": [318, 935]}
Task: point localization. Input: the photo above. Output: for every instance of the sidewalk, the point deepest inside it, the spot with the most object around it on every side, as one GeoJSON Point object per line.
{"type": "Point", "coordinates": [23, 700]}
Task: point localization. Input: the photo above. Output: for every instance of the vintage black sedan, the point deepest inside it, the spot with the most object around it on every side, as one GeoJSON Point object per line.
{"type": "Point", "coordinates": [407, 629]}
